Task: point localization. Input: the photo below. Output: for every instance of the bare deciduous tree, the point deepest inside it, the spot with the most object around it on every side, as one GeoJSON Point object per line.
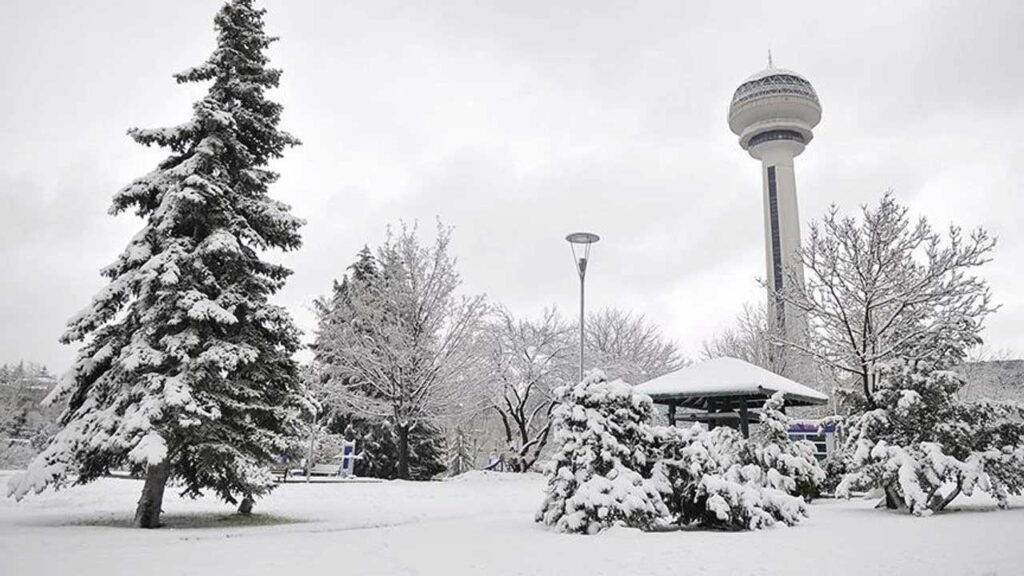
{"type": "Point", "coordinates": [750, 340]}
{"type": "Point", "coordinates": [881, 287]}
{"type": "Point", "coordinates": [527, 360]}
{"type": "Point", "coordinates": [408, 351]}
{"type": "Point", "coordinates": [628, 346]}
{"type": "Point", "coordinates": [992, 374]}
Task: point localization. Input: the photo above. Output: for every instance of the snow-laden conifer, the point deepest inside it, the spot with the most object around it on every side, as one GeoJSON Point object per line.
{"type": "Point", "coordinates": [791, 465]}
{"type": "Point", "coordinates": [924, 446]}
{"type": "Point", "coordinates": [596, 477]}
{"type": "Point", "coordinates": [185, 371]}
{"type": "Point", "coordinates": [718, 479]}
{"type": "Point", "coordinates": [611, 467]}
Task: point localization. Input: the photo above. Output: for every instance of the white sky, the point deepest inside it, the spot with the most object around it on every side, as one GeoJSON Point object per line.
{"type": "Point", "coordinates": [518, 122]}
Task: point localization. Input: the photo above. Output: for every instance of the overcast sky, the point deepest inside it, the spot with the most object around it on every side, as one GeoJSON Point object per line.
{"type": "Point", "coordinates": [518, 122]}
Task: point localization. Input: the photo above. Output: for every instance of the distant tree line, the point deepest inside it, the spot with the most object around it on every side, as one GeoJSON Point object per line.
{"type": "Point", "coordinates": [25, 424]}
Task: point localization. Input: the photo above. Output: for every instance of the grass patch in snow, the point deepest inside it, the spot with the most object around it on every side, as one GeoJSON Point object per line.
{"type": "Point", "coordinates": [197, 521]}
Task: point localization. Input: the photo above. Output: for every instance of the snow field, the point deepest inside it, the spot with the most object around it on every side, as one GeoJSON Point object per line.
{"type": "Point", "coordinates": [481, 523]}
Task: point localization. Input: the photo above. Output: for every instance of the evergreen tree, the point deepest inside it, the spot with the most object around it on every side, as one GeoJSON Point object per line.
{"type": "Point", "coordinates": [186, 370]}
{"type": "Point", "coordinates": [925, 447]}
{"type": "Point", "coordinates": [378, 451]}
{"type": "Point", "coordinates": [611, 467]}
{"type": "Point", "coordinates": [789, 465]}
{"type": "Point", "coordinates": [718, 479]}
{"type": "Point", "coordinates": [597, 476]}
{"type": "Point", "coordinates": [461, 453]}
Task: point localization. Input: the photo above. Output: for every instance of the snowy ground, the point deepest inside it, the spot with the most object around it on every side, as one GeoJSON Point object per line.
{"type": "Point", "coordinates": [480, 525]}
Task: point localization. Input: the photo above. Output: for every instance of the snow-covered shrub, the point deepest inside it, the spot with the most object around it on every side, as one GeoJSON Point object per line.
{"type": "Point", "coordinates": [836, 468]}
{"type": "Point", "coordinates": [719, 479]}
{"type": "Point", "coordinates": [611, 467]}
{"type": "Point", "coordinates": [597, 475]}
{"type": "Point", "coordinates": [797, 470]}
{"type": "Point", "coordinates": [924, 447]}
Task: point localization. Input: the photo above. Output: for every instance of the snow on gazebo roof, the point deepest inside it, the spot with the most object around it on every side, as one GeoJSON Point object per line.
{"type": "Point", "coordinates": [727, 377]}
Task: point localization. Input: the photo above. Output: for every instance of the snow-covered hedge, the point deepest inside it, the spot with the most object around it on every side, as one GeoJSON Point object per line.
{"type": "Point", "coordinates": [611, 467]}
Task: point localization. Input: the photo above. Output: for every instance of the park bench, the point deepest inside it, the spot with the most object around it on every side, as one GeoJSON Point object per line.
{"type": "Point", "coordinates": [342, 468]}
{"type": "Point", "coordinates": [281, 471]}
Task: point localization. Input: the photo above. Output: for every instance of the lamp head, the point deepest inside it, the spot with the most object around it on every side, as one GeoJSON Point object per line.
{"type": "Point", "coordinates": [580, 243]}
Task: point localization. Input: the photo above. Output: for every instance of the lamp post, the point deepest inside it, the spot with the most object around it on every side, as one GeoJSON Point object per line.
{"type": "Point", "coordinates": [580, 243]}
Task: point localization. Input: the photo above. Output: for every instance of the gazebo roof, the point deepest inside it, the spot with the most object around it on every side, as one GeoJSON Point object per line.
{"type": "Point", "coordinates": [725, 378]}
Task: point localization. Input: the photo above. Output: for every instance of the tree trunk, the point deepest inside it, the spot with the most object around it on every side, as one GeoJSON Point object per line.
{"type": "Point", "coordinates": [245, 508]}
{"type": "Point", "coordinates": [147, 514]}
{"type": "Point", "coordinates": [893, 501]}
{"type": "Point", "coordinates": [402, 431]}
{"type": "Point", "coordinates": [941, 503]}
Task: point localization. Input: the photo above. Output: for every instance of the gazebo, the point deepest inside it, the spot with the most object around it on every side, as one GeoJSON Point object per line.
{"type": "Point", "coordinates": [724, 391]}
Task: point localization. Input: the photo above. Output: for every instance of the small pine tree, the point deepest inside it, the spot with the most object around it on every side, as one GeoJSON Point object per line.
{"type": "Point", "coordinates": [790, 465]}
{"type": "Point", "coordinates": [611, 467]}
{"type": "Point", "coordinates": [460, 453]}
{"type": "Point", "coordinates": [596, 477]}
{"type": "Point", "coordinates": [719, 479]}
{"type": "Point", "coordinates": [920, 438]}
{"type": "Point", "coordinates": [186, 369]}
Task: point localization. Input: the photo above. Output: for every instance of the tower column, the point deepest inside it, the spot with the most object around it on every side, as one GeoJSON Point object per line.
{"type": "Point", "coordinates": [781, 230]}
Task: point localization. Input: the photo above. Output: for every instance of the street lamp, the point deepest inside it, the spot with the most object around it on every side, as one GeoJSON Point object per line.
{"type": "Point", "coordinates": [580, 242]}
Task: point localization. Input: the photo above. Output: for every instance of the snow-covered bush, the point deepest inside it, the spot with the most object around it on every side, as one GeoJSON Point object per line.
{"type": "Point", "coordinates": [798, 470]}
{"type": "Point", "coordinates": [597, 475]}
{"type": "Point", "coordinates": [925, 447]}
{"type": "Point", "coordinates": [719, 479]}
{"type": "Point", "coordinates": [610, 467]}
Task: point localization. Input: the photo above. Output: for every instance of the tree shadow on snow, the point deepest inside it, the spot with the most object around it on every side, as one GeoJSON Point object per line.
{"type": "Point", "coordinates": [194, 521]}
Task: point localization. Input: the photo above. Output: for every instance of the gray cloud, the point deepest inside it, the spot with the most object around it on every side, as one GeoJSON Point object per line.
{"type": "Point", "coordinates": [517, 123]}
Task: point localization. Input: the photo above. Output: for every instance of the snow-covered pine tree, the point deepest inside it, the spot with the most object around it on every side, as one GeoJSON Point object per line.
{"type": "Point", "coordinates": [714, 479]}
{"type": "Point", "coordinates": [789, 465]}
{"type": "Point", "coordinates": [597, 474]}
{"type": "Point", "coordinates": [186, 372]}
{"type": "Point", "coordinates": [461, 452]}
{"type": "Point", "coordinates": [925, 447]}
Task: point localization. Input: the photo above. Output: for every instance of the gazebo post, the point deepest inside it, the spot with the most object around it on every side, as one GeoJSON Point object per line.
{"type": "Point", "coordinates": [744, 419]}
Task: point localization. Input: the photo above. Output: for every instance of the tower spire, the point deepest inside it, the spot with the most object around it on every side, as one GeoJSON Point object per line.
{"type": "Point", "coordinates": [770, 64]}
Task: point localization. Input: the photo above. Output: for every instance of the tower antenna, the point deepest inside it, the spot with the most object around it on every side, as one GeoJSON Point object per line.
{"type": "Point", "coordinates": [770, 64]}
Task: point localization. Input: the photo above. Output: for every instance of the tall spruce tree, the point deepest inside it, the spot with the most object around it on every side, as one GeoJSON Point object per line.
{"type": "Point", "coordinates": [186, 372]}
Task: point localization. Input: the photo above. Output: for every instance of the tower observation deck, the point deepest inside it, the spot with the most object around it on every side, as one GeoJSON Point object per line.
{"type": "Point", "coordinates": [774, 113]}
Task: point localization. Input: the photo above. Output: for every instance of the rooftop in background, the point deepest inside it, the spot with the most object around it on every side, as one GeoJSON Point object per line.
{"type": "Point", "coordinates": [723, 379]}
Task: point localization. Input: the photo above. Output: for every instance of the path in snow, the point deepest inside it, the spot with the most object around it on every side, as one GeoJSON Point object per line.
{"type": "Point", "coordinates": [482, 524]}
